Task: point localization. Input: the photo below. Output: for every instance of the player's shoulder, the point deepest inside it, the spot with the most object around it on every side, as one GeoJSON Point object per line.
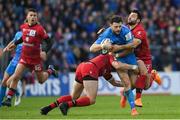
{"type": "Point", "coordinates": [39, 26]}
{"type": "Point", "coordinates": [106, 32]}
{"type": "Point", "coordinates": [140, 27]}
{"type": "Point", "coordinates": [23, 25]}
{"type": "Point", "coordinates": [125, 29]}
{"type": "Point", "coordinates": [19, 33]}
{"type": "Point", "coordinates": [139, 30]}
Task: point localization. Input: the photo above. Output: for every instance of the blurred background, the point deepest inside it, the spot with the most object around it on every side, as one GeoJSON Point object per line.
{"type": "Point", "coordinates": [73, 25]}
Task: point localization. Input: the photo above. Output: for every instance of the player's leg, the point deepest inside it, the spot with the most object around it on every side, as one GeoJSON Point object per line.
{"type": "Point", "coordinates": [153, 76]}
{"type": "Point", "coordinates": [3, 86]}
{"type": "Point", "coordinates": [14, 81]}
{"type": "Point", "coordinates": [156, 77]}
{"type": "Point", "coordinates": [17, 100]}
{"type": "Point", "coordinates": [24, 82]}
{"type": "Point", "coordinates": [5, 82]}
{"type": "Point", "coordinates": [91, 87]}
{"type": "Point", "coordinates": [89, 75]}
{"type": "Point", "coordinates": [123, 66]}
{"type": "Point", "coordinates": [132, 77]}
{"type": "Point", "coordinates": [18, 94]}
{"type": "Point", "coordinates": [125, 79]}
{"type": "Point", "coordinates": [42, 76]}
{"type": "Point", "coordinates": [141, 82]}
{"type": "Point", "coordinates": [129, 59]}
{"type": "Point", "coordinates": [76, 92]}
{"type": "Point", "coordinates": [127, 90]}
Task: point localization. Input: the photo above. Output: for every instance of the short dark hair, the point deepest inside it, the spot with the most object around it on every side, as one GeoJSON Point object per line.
{"type": "Point", "coordinates": [138, 13]}
{"type": "Point", "coordinates": [116, 19]}
{"type": "Point", "coordinates": [32, 10]}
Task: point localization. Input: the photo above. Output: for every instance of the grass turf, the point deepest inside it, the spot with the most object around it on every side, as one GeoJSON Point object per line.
{"type": "Point", "coordinates": [106, 107]}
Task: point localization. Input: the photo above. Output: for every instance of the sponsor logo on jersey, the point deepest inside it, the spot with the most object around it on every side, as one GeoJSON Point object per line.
{"type": "Point", "coordinates": [128, 36]}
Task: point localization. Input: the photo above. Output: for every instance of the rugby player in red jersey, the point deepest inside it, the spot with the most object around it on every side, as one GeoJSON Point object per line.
{"type": "Point", "coordinates": [86, 78]}
{"type": "Point", "coordinates": [33, 34]}
{"type": "Point", "coordinates": [143, 54]}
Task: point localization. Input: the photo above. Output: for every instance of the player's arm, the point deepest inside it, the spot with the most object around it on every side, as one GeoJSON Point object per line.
{"type": "Point", "coordinates": [128, 46]}
{"type": "Point", "coordinates": [101, 44]}
{"type": "Point", "coordinates": [95, 47]}
{"type": "Point", "coordinates": [137, 40]}
{"type": "Point", "coordinates": [123, 66]}
{"type": "Point", "coordinates": [47, 42]}
{"type": "Point", "coordinates": [46, 46]}
{"type": "Point", "coordinates": [112, 81]}
{"type": "Point", "coordinates": [12, 45]}
{"type": "Point", "coordinates": [100, 31]}
{"type": "Point", "coordinates": [124, 52]}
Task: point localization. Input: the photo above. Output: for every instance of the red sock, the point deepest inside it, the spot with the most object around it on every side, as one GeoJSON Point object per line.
{"type": "Point", "coordinates": [141, 81]}
{"type": "Point", "coordinates": [82, 101]}
{"type": "Point", "coordinates": [53, 105]}
{"type": "Point", "coordinates": [49, 71]}
{"type": "Point", "coordinates": [65, 98]}
{"type": "Point", "coordinates": [11, 93]}
{"type": "Point", "coordinates": [138, 93]}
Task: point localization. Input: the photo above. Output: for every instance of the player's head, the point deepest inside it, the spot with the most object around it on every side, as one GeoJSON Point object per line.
{"type": "Point", "coordinates": [134, 17]}
{"type": "Point", "coordinates": [32, 17]}
{"type": "Point", "coordinates": [115, 23]}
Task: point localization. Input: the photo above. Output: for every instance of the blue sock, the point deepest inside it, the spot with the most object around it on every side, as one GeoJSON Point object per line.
{"type": "Point", "coordinates": [130, 97]}
{"type": "Point", "coordinates": [2, 93]}
{"type": "Point", "coordinates": [17, 92]}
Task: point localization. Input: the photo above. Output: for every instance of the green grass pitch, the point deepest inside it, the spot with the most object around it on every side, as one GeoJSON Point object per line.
{"type": "Point", "coordinates": [106, 107]}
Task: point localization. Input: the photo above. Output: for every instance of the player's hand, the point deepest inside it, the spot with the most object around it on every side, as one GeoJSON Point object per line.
{"type": "Point", "coordinates": [107, 45]}
{"type": "Point", "coordinates": [100, 31]}
{"type": "Point", "coordinates": [136, 42]}
{"type": "Point", "coordinates": [135, 69]}
{"type": "Point", "coordinates": [10, 47]}
{"type": "Point", "coordinates": [43, 55]}
{"type": "Point", "coordinates": [4, 50]}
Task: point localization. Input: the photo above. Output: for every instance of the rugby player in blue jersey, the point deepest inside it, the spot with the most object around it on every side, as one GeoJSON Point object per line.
{"type": "Point", "coordinates": [119, 34]}
{"type": "Point", "coordinates": [10, 70]}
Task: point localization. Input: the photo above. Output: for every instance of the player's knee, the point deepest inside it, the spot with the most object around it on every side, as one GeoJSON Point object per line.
{"type": "Point", "coordinates": [147, 87]}
{"type": "Point", "coordinates": [127, 84]}
{"type": "Point", "coordinates": [41, 81]}
{"type": "Point", "coordinates": [16, 77]}
{"type": "Point", "coordinates": [133, 84]}
{"type": "Point", "coordinates": [92, 101]}
{"type": "Point", "coordinates": [144, 72]}
{"type": "Point", "coordinates": [4, 83]}
{"type": "Point", "coordinates": [119, 67]}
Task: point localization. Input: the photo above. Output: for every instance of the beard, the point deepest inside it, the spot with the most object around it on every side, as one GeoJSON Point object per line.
{"type": "Point", "coordinates": [132, 22]}
{"type": "Point", "coordinates": [117, 32]}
